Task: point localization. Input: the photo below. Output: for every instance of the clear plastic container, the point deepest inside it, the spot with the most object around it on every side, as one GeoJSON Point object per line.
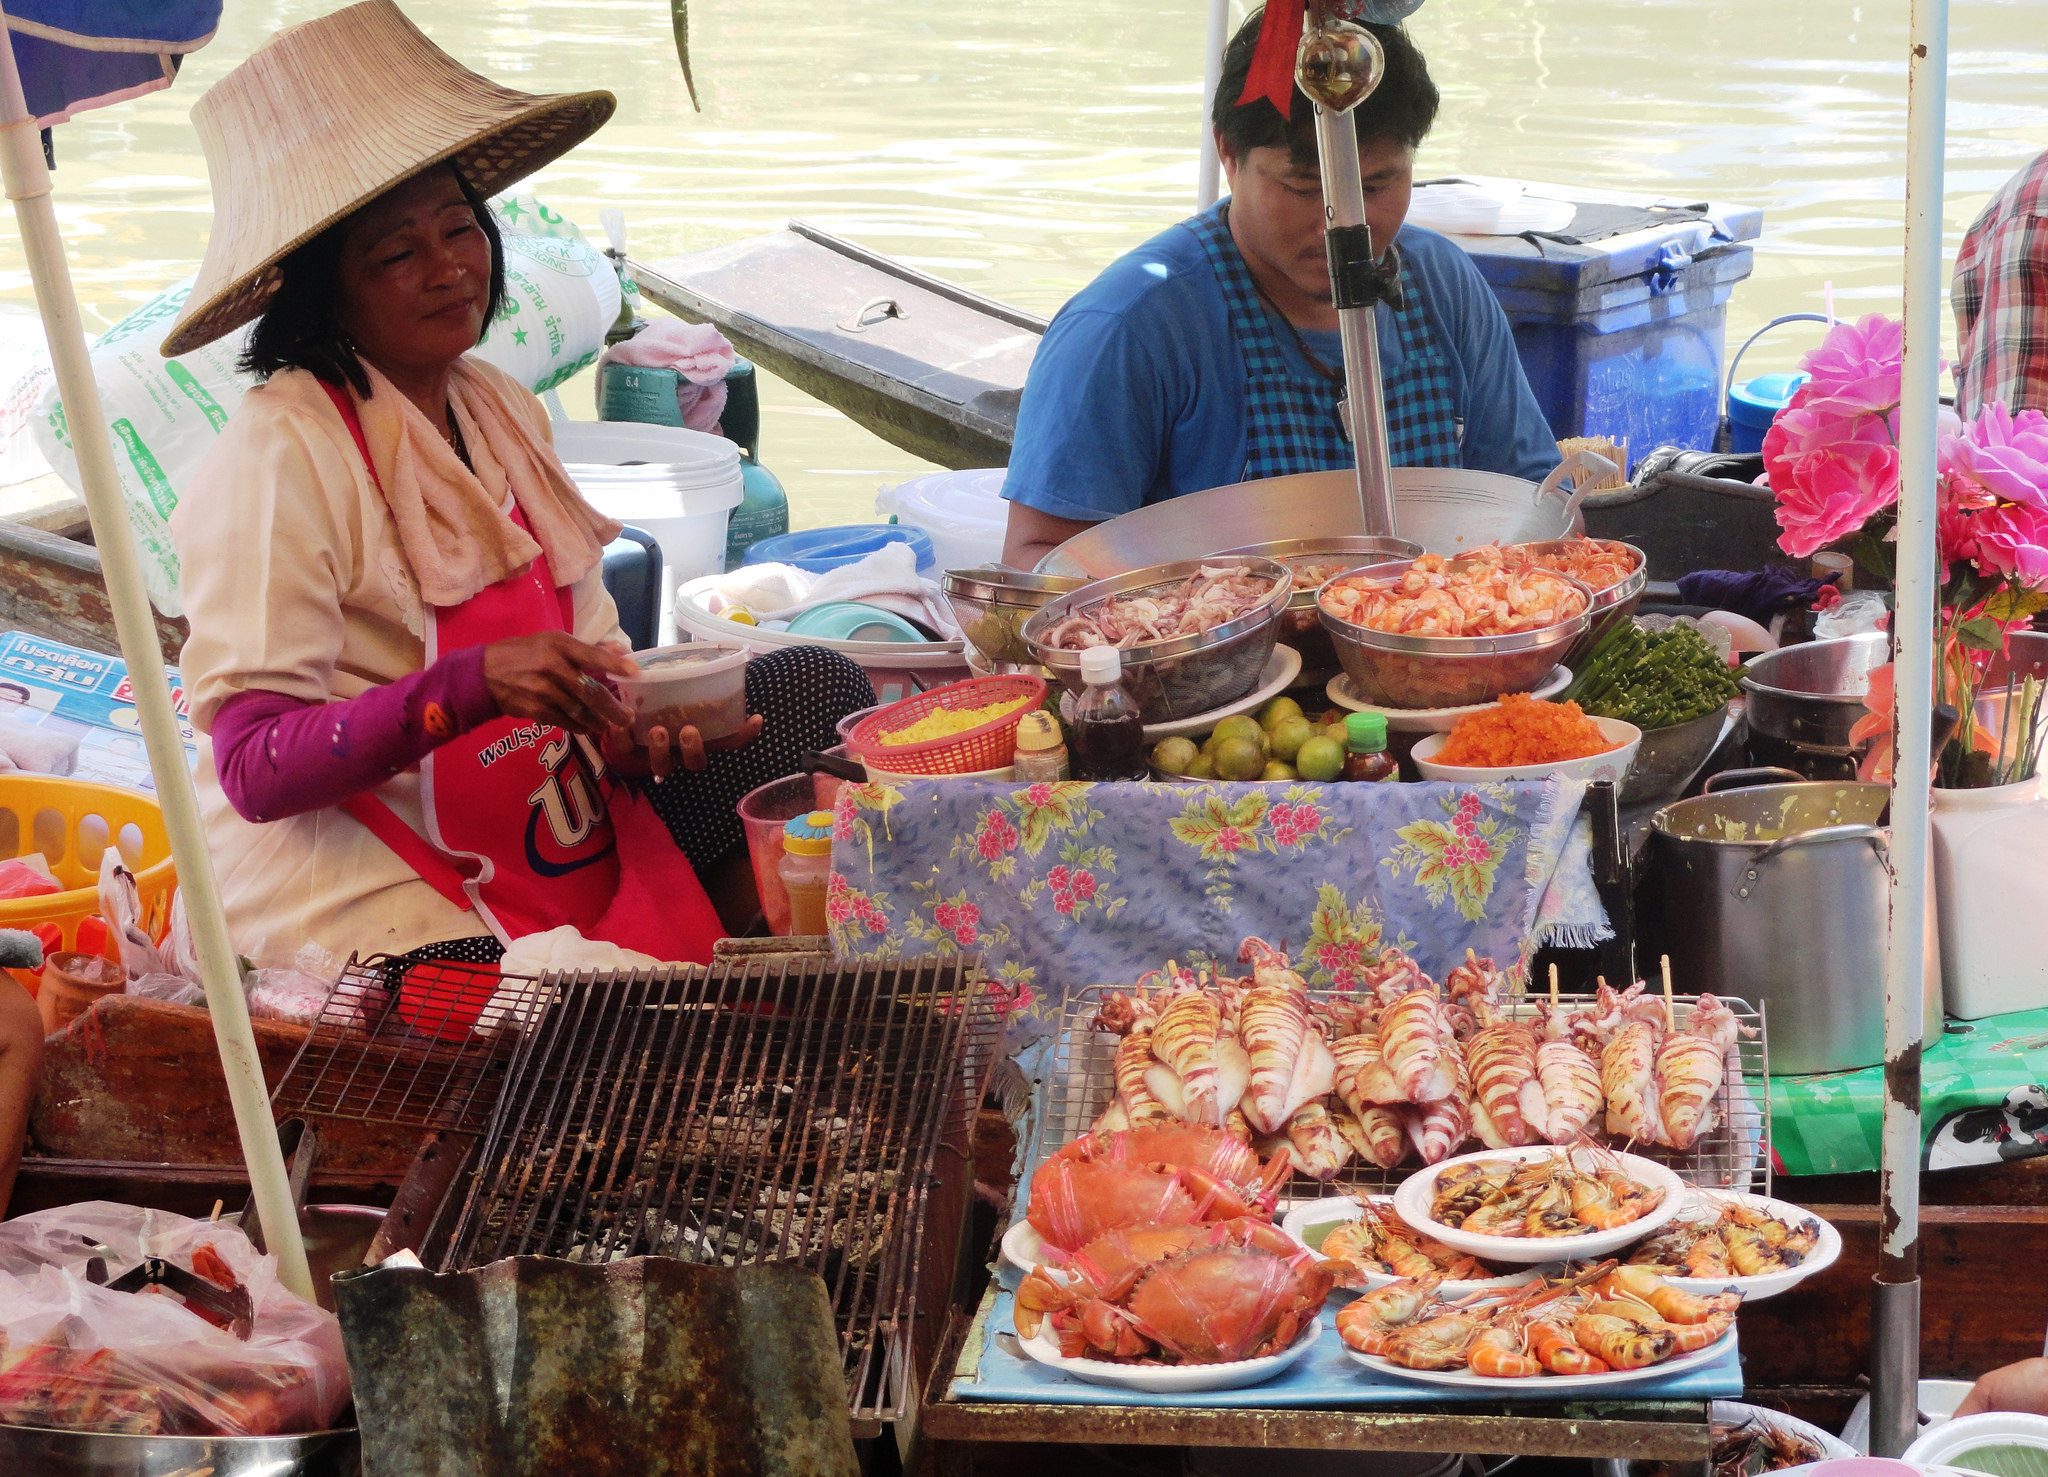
{"type": "Point", "coordinates": [806, 871]}
{"type": "Point", "coordinates": [699, 683]}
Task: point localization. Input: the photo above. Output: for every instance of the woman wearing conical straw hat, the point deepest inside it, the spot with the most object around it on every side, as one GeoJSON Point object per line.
{"type": "Point", "coordinates": [401, 645]}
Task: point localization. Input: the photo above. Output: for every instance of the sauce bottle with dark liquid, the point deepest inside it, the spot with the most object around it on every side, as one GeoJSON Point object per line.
{"type": "Point", "coordinates": [1107, 735]}
{"type": "Point", "coordinates": [1365, 749]}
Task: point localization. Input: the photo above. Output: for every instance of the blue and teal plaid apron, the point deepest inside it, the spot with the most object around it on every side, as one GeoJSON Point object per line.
{"type": "Point", "coordinates": [1292, 423]}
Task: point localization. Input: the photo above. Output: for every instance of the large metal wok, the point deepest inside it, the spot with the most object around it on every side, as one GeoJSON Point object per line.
{"type": "Point", "coordinates": [1444, 509]}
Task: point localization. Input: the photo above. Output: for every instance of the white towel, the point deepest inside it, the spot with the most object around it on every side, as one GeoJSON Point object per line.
{"type": "Point", "coordinates": [887, 579]}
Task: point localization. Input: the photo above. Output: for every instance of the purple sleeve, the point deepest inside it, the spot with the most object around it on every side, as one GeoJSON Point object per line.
{"type": "Point", "coordinates": [279, 756]}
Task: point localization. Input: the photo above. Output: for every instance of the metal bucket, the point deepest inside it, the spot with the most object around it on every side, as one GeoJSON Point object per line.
{"type": "Point", "coordinates": [1803, 700]}
{"type": "Point", "coordinates": [1444, 509]}
{"type": "Point", "coordinates": [1777, 894]}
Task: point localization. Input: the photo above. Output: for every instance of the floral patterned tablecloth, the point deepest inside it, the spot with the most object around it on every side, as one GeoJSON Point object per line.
{"type": "Point", "coordinates": [1064, 886]}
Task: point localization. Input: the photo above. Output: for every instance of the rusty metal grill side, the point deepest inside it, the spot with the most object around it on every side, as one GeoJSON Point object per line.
{"type": "Point", "coordinates": [751, 1110]}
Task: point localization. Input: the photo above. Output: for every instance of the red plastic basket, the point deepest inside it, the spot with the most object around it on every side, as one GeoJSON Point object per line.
{"type": "Point", "coordinates": [991, 746]}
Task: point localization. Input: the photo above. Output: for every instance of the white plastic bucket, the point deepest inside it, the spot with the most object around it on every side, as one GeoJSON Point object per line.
{"type": "Point", "coordinates": [684, 505]}
{"type": "Point", "coordinates": [1993, 897]}
{"type": "Point", "coordinates": [963, 513]}
{"type": "Point", "coordinates": [898, 669]}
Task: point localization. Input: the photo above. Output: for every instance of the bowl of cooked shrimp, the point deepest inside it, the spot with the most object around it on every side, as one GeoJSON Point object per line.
{"type": "Point", "coordinates": [1542, 1203]}
{"type": "Point", "coordinates": [1443, 632]}
{"type": "Point", "coordinates": [1616, 573]}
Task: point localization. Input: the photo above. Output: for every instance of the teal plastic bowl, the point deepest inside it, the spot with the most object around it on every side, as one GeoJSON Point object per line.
{"type": "Point", "coordinates": [849, 620]}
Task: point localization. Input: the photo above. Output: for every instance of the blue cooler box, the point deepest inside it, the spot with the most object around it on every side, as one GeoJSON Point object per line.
{"type": "Point", "coordinates": [1623, 333]}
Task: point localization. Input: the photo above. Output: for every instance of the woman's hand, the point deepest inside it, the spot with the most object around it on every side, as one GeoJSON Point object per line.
{"type": "Point", "coordinates": [554, 678]}
{"type": "Point", "coordinates": [2022, 1386]}
{"type": "Point", "coordinates": [663, 751]}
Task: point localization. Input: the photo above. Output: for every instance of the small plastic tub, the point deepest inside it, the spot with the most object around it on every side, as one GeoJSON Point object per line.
{"type": "Point", "coordinates": [700, 683]}
{"type": "Point", "coordinates": [763, 813]}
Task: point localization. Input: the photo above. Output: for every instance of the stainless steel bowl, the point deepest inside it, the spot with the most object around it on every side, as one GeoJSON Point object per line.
{"type": "Point", "coordinates": [1804, 699]}
{"type": "Point", "coordinates": [1398, 671]}
{"type": "Point", "coordinates": [49, 1453]}
{"type": "Point", "coordinates": [1612, 605]}
{"type": "Point", "coordinates": [992, 605]}
{"type": "Point", "coordinates": [1668, 758]}
{"type": "Point", "coordinates": [1188, 675]}
{"type": "Point", "coordinates": [1299, 626]}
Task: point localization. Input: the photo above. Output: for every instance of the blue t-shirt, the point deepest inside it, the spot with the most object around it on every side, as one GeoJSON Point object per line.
{"type": "Point", "coordinates": [1137, 393]}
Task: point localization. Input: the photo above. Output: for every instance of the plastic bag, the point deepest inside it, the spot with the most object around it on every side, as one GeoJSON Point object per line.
{"type": "Point", "coordinates": [27, 876]}
{"type": "Point", "coordinates": [82, 1357]}
{"type": "Point", "coordinates": [180, 954]}
{"type": "Point", "coordinates": [1856, 612]}
{"type": "Point", "coordinates": [292, 990]}
{"type": "Point", "coordinates": [121, 906]}
{"type": "Point", "coordinates": [172, 989]}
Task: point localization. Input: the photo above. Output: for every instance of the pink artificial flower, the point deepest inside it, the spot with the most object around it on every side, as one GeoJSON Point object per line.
{"type": "Point", "coordinates": [2012, 540]}
{"type": "Point", "coordinates": [1833, 492]}
{"type": "Point", "coordinates": [1859, 363]}
{"type": "Point", "coordinates": [2004, 454]}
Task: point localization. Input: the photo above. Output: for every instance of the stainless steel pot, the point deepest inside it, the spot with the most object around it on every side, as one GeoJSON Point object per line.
{"type": "Point", "coordinates": [1444, 509]}
{"type": "Point", "coordinates": [44, 1453]}
{"type": "Point", "coordinates": [1776, 894]}
{"type": "Point", "coordinates": [1803, 700]}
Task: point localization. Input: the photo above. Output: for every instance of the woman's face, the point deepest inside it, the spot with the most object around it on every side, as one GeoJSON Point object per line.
{"type": "Point", "coordinates": [415, 276]}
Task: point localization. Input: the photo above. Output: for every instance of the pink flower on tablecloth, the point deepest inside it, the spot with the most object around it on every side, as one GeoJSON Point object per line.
{"type": "Point", "coordinates": [1063, 901]}
{"type": "Point", "coordinates": [1038, 794]}
{"type": "Point", "coordinates": [1231, 838]}
{"type": "Point", "coordinates": [1012, 998]}
{"type": "Point", "coordinates": [1084, 884]}
{"type": "Point", "coordinates": [1059, 878]}
{"type": "Point", "coordinates": [965, 935]}
{"type": "Point", "coordinates": [1468, 807]}
{"type": "Point", "coordinates": [997, 836]}
{"type": "Point", "coordinates": [946, 915]}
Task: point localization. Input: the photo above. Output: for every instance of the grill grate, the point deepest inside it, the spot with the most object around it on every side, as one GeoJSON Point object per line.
{"type": "Point", "coordinates": [786, 1109]}
{"type": "Point", "coordinates": [1736, 1155]}
{"type": "Point", "coordinates": [433, 1059]}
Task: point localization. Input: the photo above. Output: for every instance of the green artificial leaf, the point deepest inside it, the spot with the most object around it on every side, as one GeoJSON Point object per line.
{"type": "Point", "coordinates": [1981, 633]}
{"type": "Point", "coordinates": [2015, 603]}
{"type": "Point", "coordinates": [1871, 553]}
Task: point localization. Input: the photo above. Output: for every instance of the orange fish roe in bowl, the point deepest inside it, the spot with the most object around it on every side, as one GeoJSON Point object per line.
{"type": "Point", "coordinates": [1519, 729]}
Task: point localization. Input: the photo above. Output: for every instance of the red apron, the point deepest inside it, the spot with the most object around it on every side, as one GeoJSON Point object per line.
{"type": "Point", "coordinates": [524, 823]}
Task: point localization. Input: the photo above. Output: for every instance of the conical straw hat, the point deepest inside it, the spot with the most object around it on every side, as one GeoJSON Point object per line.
{"type": "Point", "coordinates": [328, 115]}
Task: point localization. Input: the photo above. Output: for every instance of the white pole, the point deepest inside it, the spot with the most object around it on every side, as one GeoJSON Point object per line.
{"type": "Point", "coordinates": [1895, 1373]}
{"type": "Point", "coordinates": [1209, 171]}
{"type": "Point", "coordinates": [28, 186]}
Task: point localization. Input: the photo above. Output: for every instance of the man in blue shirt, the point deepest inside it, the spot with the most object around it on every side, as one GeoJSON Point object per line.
{"type": "Point", "coordinates": [1210, 355]}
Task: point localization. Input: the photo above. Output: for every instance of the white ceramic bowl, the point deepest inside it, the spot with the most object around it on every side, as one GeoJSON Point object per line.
{"type": "Point", "coordinates": [1319, 1216]}
{"type": "Point", "coordinates": [1170, 1379]}
{"type": "Point", "coordinates": [1413, 1199]}
{"type": "Point", "coordinates": [1340, 691]}
{"type": "Point", "coordinates": [1612, 765]}
{"type": "Point", "coordinates": [1825, 1251]}
{"type": "Point", "coordinates": [1546, 1386]}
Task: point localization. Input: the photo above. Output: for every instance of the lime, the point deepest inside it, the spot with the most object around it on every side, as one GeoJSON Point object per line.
{"type": "Point", "coordinates": [1288, 737]}
{"type": "Point", "coordinates": [1174, 755]}
{"type": "Point", "coordinates": [1203, 768]}
{"type": "Point", "coordinates": [1242, 725]}
{"type": "Point", "coordinates": [1239, 759]}
{"type": "Point", "coordinates": [1277, 712]}
{"type": "Point", "coordinates": [1320, 759]}
{"type": "Point", "coordinates": [741, 617]}
{"type": "Point", "coordinates": [1275, 770]}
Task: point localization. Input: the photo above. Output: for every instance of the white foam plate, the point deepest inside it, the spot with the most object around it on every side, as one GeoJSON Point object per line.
{"type": "Point", "coordinates": [1337, 1209]}
{"type": "Point", "coordinates": [1023, 1247]}
{"type": "Point", "coordinates": [1430, 720]}
{"type": "Point", "coordinates": [1169, 1379]}
{"type": "Point", "coordinates": [1281, 668]}
{"type": "Point", "coordinates": [1413, 1199]}
{"type": "Point", "coordinates": [1543, 1386]}
{"type": "Point", "coordinates": [1823, 1255]}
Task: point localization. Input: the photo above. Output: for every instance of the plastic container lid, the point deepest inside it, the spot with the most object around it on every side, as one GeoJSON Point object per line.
{"type": "Point", "coordinates": [820, 550]}
{"type": "Point", "coordinates": [809, 835]}
{"type": "Point", "coordinates": [850, 620]}
{"type": "Point", "coordinates": [629, 459]}
{"type": "Point", "coordinates": [1102, 665]}
{"type": "Point", "coordinates": [1755, 402]}
{"type": "Point", "coordinates": [1038, 731]}
{"type": "Point", "coordinates": [1365, 733]}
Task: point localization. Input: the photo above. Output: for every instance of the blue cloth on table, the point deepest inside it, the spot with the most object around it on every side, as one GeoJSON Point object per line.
{"type": "Point", "coordinates": [1325, 1377]}
{"type": "Point", "coordinates": [1066, 886]}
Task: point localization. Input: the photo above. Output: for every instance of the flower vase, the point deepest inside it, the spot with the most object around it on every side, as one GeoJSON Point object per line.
{"type": "Point", "coordinates": [1991, 889]}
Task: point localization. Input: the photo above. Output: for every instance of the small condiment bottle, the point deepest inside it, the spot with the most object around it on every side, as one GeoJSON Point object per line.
{"type": "Point", "coordinates": [1109, 734]}
{"type": "Point", "coordinates": [1365, 749]}
{"type": "Point", "coordinates": [806, 871]}
{"type": "Point", "coordinates": [1041, 749]}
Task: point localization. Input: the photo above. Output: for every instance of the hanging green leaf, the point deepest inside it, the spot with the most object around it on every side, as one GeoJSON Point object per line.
{"type": "Point", "coordinates": [2015, 604]}
{"type": "Point", "coordinates": [679, 17]}
{"type": "Point", "coordinates": [1981, 633]}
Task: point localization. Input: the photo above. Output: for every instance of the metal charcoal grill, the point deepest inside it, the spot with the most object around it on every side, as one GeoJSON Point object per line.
{"type": "Point", "coordinates": [435, 1058]}
{"type": "Point", "coordinates": [781, 1109]}
{"type": "Point", "coordinates": [1735, 1155]}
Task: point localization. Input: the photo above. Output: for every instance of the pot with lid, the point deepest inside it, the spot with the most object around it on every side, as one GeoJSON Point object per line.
{"type": "Point", "coordinates": [1777, 894]}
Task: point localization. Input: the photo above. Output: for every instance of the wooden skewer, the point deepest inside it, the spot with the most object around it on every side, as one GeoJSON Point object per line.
{"type": "Point", "coordinates": [1553, 987]}
{"type": "Point", "coordinates": [1670, 1021]}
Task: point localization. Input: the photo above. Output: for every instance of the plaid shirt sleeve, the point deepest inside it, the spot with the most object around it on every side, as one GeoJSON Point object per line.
{"type": "Point", "coordinates": [2000, 297]}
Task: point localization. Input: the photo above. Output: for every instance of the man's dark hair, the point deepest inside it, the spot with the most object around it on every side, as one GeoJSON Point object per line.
{"type": "Point", "coordinates": [1402, 107]}
{"type": "Point", "coordinates": [301, 327]}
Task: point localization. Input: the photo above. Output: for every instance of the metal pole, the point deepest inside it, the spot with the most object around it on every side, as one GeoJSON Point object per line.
{"type": "Point", "coordinates": [28, 186]}
{"type": "Point", "coordinates": [1209, 169]}
{"type": "Point", "coordinates": [1895, 1373]}
{"type": "Point", "coordinates": [1357, 327]}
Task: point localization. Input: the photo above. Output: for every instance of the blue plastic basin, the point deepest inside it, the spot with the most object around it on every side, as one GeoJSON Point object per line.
{"type": "Point", "coordinates": [822, 549]}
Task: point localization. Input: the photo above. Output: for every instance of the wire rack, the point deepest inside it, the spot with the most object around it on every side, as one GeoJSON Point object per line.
{"type": "Point", "coordinates": [785, 1109]}
{"type": "Point", "coordinates": [411, 1045]}
{"type": "Point", "coordinates": [1734, 1155]}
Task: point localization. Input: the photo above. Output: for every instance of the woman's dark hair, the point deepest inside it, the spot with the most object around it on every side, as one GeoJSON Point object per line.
{"type": "Point", "coordinates": [1402, 107]}
{"type": "Point", "coordinates": [301, 329]}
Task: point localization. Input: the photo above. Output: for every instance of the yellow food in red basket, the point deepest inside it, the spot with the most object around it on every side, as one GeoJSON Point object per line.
{"type": "Point", "coordinates": [945, 722]}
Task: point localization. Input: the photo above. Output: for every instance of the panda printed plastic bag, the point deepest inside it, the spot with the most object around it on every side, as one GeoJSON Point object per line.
{"type": "Point", "coordinates": [79, 1356]}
